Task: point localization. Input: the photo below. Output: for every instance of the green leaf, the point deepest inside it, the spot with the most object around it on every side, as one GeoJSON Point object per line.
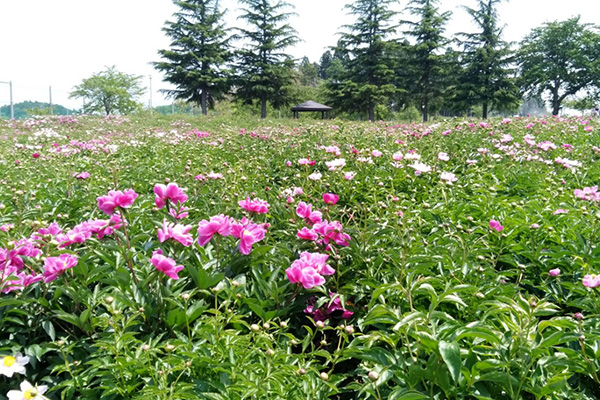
{"type": "Point", "coordinates": [49, 329]}
{"type": "Point", "coordinates": [451, 355]}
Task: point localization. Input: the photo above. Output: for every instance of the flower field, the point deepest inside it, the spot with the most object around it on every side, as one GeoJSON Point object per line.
{"type": "Point", "coordinates": [214, 259]}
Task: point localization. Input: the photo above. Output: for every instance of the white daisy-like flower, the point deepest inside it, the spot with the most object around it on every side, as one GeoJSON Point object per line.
{"type": "Point", "coordinates": [10, 365]}
{"type": "Point", "coordinates": [28, 392]}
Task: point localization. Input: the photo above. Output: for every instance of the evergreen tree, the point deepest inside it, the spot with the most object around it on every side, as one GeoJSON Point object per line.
{"type": "Point", "coordinates": [308, 73]}
{"type": "Point", "coordinates": [324, 64]}
{"type": "Point", "coordinates": [265, 72]}
{"type": "Point", "coordinates": [365, 79]}
{"type": "Point", "coordinates": [487, 78]}
{"type": "Point", "coordinates": [195, 63]}
{"type": "Point", "coordinates": [425, 64]}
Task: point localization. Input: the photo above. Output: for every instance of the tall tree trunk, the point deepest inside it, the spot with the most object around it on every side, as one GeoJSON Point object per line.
{"type": "Point", "coordinates": [371, 112]}
{"type": "Point", "coordinates": [555, 99]}
{"type": "Point", "coordinates": [425, 111]}
{"type": "Point", "coordinates": [263, 107]}
{"type": "Point", "coordinates": [484, 111]}
{"type": "Point", "coordinates": [204, 101]}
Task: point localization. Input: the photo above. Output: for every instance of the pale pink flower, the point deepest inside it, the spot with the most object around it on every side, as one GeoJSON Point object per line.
{"type": "Point", "coordinates": [349, 175]}
{"type": "Point", "coordinates": [315, 176]}
{"type": "Point", "coordinates": [82, 175]}
{"type": "Point", "coordinates": [420, 168]}
{"type": "Point", "coordinates": [560, 211]}
{"type": "Point", "coordinates": [443, 156]}
{"type": "Point", "coordinates": [449, 177]}
{"type": "Point", "coordinates": [376, 153]}
{"type": "Point", "coordinates": [591, 281]}
{"type": "Point", "coordinates": [397, 156]}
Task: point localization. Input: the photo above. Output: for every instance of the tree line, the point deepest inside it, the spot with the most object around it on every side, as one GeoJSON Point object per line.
{"type": "Point", "coordinates": [385, 61]}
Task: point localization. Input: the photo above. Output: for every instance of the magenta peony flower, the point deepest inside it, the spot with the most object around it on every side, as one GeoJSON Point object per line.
{"type": "Point", "coordinates": [168, 192]}
{"type": "Point", "coordinates": [309, 269]}
{"type": "Point", "coordinates": [177, 232]}
{"type": "Point", "coordinates": [256, 205]}
{"type": "Point", "coordinates": [495, 225]}
{"type": "Point", "coordinates": [330, 198]}
{"type": "Point", "coordinates": [307, 234]}
{"type": "Point", "coordinates": [116, 198]}
{"type": "Point", "coordinates": [220, 224]}
{"type": "Point", "coordinates": [554, 272]}
{"type": "Point", "coordinates": [55, 266]}
{"type": "Point", "coordinates": [305, 211]}
{"type": "Point", "coordinates": [248, 233]}
{"type": "Point", "coordinates": [165, 265]}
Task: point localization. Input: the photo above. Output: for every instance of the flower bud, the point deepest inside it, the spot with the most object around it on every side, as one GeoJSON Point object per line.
{"type": "Point", "coordinates": [320, 324]}
{"type": "Point", "coordinates": [324, 376]}
{"type": "Point", "coordinates": [373, 375]}
{"type": "Point", "coordinates": [254, 328]}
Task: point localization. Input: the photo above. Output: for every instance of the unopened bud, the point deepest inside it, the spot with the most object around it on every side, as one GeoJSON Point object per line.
{"type": "Point", "coordinates": [324, 376]}
{"type": "Point", "coordinates": [373, 375]}
{"type": "Point", "coordinates": [254, 328]}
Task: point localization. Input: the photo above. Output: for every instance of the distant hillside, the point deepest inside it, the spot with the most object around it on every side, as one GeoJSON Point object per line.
{"type": "Point", "coordinates": [26, 109]}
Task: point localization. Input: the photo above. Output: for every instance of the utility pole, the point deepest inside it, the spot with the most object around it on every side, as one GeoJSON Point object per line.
{"type": "Point", "coordinates": [12, 108]}
{"type": "Point", "coordinates": [150, 95]}
{"type": "Point", "coordinates": [51, 108]}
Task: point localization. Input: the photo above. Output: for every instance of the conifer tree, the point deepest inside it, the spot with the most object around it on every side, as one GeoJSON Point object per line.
{"type": "Point", "coordinates": [264, 71]}
{"type": "Point", "coordinates": [426, 63]}
{"type": "Point", "coordinates": [487, 78]}
{"type": "Point", "coordinates": [196, 62]}
{"type": "Point", "coordinates": [367, 55]}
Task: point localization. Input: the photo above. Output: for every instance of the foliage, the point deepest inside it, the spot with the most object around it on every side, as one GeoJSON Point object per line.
{"type": "Point", "coordinates": [195, 62]}
{"type": "Point", "coordinates": [560, 59]}
{"type": "Point", "coordinates": [468, 269]}
{"type": "Point", "coordinates": [487, 77]}
{"type": "Point", "coordinates": [363, 78]}
{"type": "Point", "coordinates": [26, 109]}
{"type": "Point", "coordinates": [264, 71]}
{"type": "Point", "coordinates": [109, 91]}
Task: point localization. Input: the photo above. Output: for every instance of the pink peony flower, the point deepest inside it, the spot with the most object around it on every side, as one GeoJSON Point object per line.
{"type": "Point", "coordinates": [591, 281]}
{"type": "Point", "coordinates": [82, 175]}
{"type": "Point", "coordinates": [304, 210]}
{"type": "Point", "coordinates": [449, 177]}
{"type": "Point", "coordinates": [397, 156]}
{"type": "Point", "coordinates": [307, 234]}
{"type": "Point", "coordinates": [177, 232]}
{"type": "Point", "coordinates": [309, 269]}
{"type": "Point", "coordinates": [55, 266]}
{"type": "Point", "coordinates": [349, 175]}
{"type": "Point", "coordinates": [443, 156]}
{"type": "Point", "coordinates": [560, 211]}
{"type": "Point", "coordinates": [330, 198]}
{"type": "Point", "coordinates": [116, 198]}
{"type": "Point", "coordinates": [554, 272]}
{"type": "Point", "coordinates": [165, 265]}
{"type": "Point", "coordinates": [248, 233]}
{"type": "Point", "coordinates": [376, 153]}
{"type": "Point", "coordinates": [168, 192]}
{"type": "Point", "coordinates": [256, 205]}
{"type": "Point", "coordinates": [495, 225]}
{"type": "Point", "coordinates": [220, 224]}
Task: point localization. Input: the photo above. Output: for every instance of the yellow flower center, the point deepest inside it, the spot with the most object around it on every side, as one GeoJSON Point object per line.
{"type": "Point", "coordinates": [30, 394]}
{"type": "Point", "coordinates": [9, 361]}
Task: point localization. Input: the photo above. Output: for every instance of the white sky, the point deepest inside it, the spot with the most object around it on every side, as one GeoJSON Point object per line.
{"type": "Point", "coordinates": [60, 42]}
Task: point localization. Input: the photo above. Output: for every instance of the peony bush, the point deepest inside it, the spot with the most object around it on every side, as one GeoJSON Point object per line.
{"type": "Point", "coordinates": [213, 259]}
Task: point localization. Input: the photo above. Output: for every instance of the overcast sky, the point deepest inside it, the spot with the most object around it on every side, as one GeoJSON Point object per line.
{"type": "Point", "coordinates": [60, 42]}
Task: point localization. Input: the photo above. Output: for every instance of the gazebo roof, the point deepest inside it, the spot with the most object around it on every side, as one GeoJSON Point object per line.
{"type": "Point", "coordinates": [311, 106]}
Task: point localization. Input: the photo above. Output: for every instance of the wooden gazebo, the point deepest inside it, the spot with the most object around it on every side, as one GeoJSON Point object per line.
{"type": "Point", "coordinates": [311, 106]}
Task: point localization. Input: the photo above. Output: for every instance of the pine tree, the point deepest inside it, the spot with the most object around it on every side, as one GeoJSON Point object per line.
{"type": "Point", "coordinates": [265, 72]}
{"type": "Point", "coordinates": [425, 63]}
{"type": "Point", "coordinates": [196, 62]}
{"type": "Point", "coordinates": [365, 80]}
{"type": "Point", "coordinates": [487, 78]}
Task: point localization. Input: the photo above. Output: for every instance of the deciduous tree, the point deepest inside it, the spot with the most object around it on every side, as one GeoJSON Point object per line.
{"type": "Point", "coordinates": [560, 59]}
{"type": "Point", "coordinates": [110, 91]}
